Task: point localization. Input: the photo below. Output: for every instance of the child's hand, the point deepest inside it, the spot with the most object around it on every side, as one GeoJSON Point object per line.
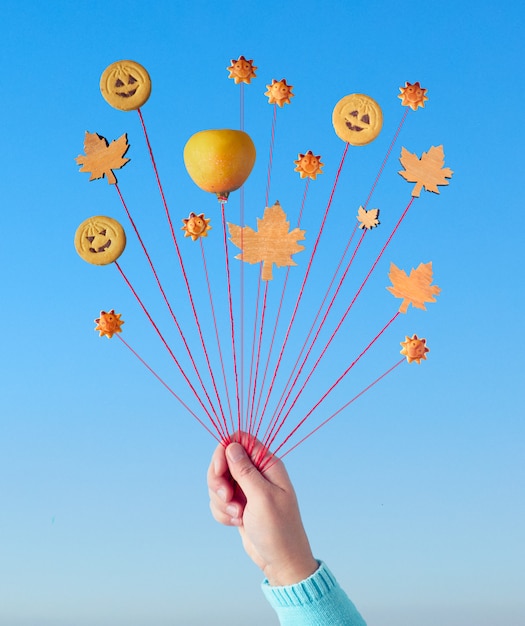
{"type": "Point", "coordinates": [264, 508]}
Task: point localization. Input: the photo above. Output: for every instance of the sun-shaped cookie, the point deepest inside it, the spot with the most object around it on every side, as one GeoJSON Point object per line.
{"type": "Point", "coordinates": [196, 226]}
{"type": "Point", "coordinates": [309, 165]}
{"type": "Point", "coordinates": [242, 70]}
{"type": "Point", "coordinates": [414, 349]}
{"type": "Point", "coordinates": [109, 323]}
{"type": "Point", "coordinates": [413, 96]}
{"type": "Point", "coordinates": [367, 219]}
{"type": "Point", "coordinates": [279, 92]}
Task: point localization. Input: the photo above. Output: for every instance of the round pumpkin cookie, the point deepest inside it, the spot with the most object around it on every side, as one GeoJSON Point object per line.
{"type": "Point", "coordinates": [100, 240]}
{"type": "Point", "coordinates": [125, 85]}
{"type": "Point", "coordinates": [357, 119]}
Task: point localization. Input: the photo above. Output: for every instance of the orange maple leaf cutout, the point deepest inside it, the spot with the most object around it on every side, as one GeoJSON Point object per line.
{"type": "Point", "coordinates": [368, 219]}
{"type": "Point", "coordinates": [415, 289]}
{"type": "Point", "coordinates": [102, 158]}
{"type": "Point", "coordinates": [273, 242]}
{"type": "Point", "coordinates": [427, 172]}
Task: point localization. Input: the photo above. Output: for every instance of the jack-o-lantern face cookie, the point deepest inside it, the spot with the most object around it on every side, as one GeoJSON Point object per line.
{"type": "Point", "coordinates": [125, 85]}
{"type": "Point", "coordinates": [357, 119]}
{"type": "Point", "coordinates": [100, 240]}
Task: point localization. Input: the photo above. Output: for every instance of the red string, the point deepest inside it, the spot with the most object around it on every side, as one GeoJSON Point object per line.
{"type": "Point", "coordinates": [144, 249]}
{"type": "Point", "coordinates": [167, 387]}
{"type": "Point", "coordinates": [374, 265]}
{"type": "Point", "coordinates": [268, 439]}
{"type": "Point", "coordinates": [217, 425]}
{"type": "Point", "coordinates": [305, 278]}
{"type": "Point", "coordinates": [250, 415]}
{"type": "Point", "coordinates": [181, 263]}
{"type": "Point", "coordinates": [221, 359]}
{"type": "Point", "coordinates": [270, 159]}
{"type": "Point", "coordinates": [321, 325]}
{"type": "Point", "coordinates": [258, 358]}
{"type": "Point", "coordinates": [159, 184]}
{"type": "Point", "coordinates": [327, 393]}
{"type": "Point", "coordinates": [270, 350]}
{"type": "Point", "coordinates": [276, 324]}
{"type": "Point", "coordinates": [241, 106]}
{"type": "Point", "coordinates": [282, 403]}
{"type": "Point", "coordinates": [388, 152]}
{"type": "Point", "coordinates": [305, 194]}
{"type": "Point", "coordinates": [254, 337]}
{"type": "Point", "coordinates": [241, 269]}
{"type": "Point", "coordinates": [378, 176]}
{"type": "Point", "coordinates": [232, 324]}
{"type": "Point", "coordinates": [345, 406]}
{"type": "Point", "coordinates": [241, 295]}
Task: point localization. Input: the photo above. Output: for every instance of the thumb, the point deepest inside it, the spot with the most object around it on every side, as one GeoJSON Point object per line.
{"type": "Point", "coordinates": [242, 469]}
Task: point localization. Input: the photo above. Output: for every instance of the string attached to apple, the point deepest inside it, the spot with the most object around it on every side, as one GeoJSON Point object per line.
{"type": "Point", "coordinates": [270, 407]}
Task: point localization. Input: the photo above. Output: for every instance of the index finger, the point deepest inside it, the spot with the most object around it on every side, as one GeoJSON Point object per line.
{"type": "Point", "coordinates": [218, 475]}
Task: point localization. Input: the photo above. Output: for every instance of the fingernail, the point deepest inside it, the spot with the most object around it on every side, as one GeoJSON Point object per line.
{"type": "Point", "coordinates": [222, 494]}
{"type": "Point", "coordinates": [231, 509]}
{"type": "Point", "coordinates": [235, 452]}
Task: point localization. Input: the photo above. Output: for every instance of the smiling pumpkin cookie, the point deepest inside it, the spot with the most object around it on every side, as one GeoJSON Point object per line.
{"type": "Point", "coordinates": [125, 85]}
{"type": "Point", "coordinates": [357, 119]}
{"type": "Point", "coordinates": [100, 240]}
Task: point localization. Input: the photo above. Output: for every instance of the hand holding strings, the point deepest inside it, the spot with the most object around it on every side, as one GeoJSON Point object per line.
{"type": "Point", "coordinates": [265, 510]}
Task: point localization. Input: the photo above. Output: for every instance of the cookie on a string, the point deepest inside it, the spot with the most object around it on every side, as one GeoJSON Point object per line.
{"type": "Point", "coordinates": [100, 240]}
{"type": "Point", "coordinates": [125, 85]}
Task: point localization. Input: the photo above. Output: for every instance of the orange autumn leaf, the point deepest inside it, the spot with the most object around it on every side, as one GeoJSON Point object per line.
{"type": "Point", "coordinates": [415, 289]}
{"type": "Point", "coordinates": [368, 219]}
{"type": "Point", "coordinates": [101, 159]}
{"type": "Point", "coordinates": [427, 172]}
{"type": "Point", "coordinates": [271, 243]}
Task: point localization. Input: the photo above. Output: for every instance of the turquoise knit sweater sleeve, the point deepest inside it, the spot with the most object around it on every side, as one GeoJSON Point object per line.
{"type": "Point", "coordinates": [316, 601]}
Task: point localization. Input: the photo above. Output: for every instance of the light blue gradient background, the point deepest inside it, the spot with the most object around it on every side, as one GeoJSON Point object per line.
{"type": "Point", "coordinates": [415, 496]}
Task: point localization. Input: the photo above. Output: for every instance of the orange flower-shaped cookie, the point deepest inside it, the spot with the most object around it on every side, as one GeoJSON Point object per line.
{"type": "Point", "coordinates": [242, 70]}
{"type": "Point", "coordinates": [414, 349]}
{"type": "Point", "coordinates": [109, 323]}
{"type": "Point", "coordinates": [196, 226]}
{"type": "Point", "coordinates": [309, 165]}
{"type": "Point", "coordinates": [279, 92]}
{"type": "Point", "coordinates": [413, 96]}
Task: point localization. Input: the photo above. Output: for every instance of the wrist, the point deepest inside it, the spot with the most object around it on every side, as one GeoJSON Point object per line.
{"type": "Point", "coordinates": [290, 572]}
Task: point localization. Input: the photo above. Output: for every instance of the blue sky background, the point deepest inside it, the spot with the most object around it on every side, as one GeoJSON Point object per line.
{"type": "Point", "coordinates": [414, 496]}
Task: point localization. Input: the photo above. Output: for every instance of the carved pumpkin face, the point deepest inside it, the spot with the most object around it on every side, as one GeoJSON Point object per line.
{"type": "Point", "coordinates": [125, 85]}
{"type": "Point", "coordinates": [357, 119]}
{"type": "Point", "coordinates": [100, 240]}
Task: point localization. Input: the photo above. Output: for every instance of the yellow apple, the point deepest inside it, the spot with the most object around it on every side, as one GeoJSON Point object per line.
{"type": "Point", "coordinates": [219, 161]}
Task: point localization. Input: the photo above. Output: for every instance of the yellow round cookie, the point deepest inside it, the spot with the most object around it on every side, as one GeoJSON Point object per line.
{"type": "Point", "coordinates": [357, 119]}
{"type": "Point", "coordinates": [125, 85]}
{"type": "Point", "coordinates": [100, 240]}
